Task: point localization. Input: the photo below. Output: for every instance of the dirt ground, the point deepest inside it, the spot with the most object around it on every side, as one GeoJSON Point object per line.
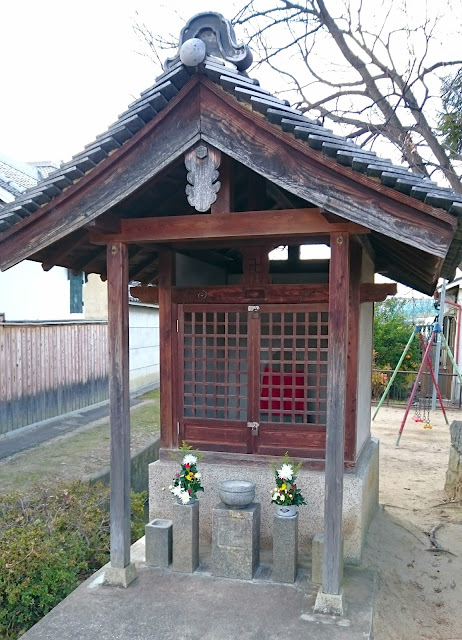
{"type": "Point", "coordinates": [419, 589]}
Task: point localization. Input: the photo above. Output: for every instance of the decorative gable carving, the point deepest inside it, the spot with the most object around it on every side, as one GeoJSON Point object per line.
{"type": "Point", "coordinates": [202, 164]}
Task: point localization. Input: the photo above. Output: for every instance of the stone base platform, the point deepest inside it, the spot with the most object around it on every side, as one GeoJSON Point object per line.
{"type": "Point", "coordinates": [210, 607]}
{"type": "Point", "coordinates": [360, 495]}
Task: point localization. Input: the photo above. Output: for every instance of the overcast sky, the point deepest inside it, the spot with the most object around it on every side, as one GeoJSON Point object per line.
{"type": "Point", "coordinates": [69, 68]}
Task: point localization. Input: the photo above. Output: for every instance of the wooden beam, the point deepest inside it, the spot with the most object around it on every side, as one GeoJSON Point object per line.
{"type": "Point", "coordinates": [269, 293]}
{"type": "Point", "coordinates": [167, 342]}
{"type": "Point", "coordinates": [264, 294]}
{"type": "Point", "coordinates": [105, 224]}
{"type": "Point", "coordinates": [377, 292]}
{"type": "Point", "coordinates": [148, 295]}
{"type": "Point", "coordinates": [232, 226]}
{"type": "Point", "coordinates": [55, 254]}
{"type": "Point", "coordinates": [339, 277]}
{"type": "Point", "coordinates": [119, 403]}
{"type": "Point", "coordinates": [242, 242]}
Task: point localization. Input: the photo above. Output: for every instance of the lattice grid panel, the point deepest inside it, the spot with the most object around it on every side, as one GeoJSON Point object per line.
{"type": "Point", "coordinates": [215, 383]}
{"type": "Point", "coordinates": [293, 367]}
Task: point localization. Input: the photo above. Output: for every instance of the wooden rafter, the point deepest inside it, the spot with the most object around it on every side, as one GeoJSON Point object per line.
{"type": "Point", "coordinates": [292, 165]}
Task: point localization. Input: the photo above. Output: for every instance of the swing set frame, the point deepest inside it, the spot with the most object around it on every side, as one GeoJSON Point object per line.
{"type": "Point", "coordinates": [426, 348]}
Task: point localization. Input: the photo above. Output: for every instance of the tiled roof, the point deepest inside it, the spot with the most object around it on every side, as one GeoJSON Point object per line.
{"type": "Point", "coordinates": [246, 90]}
{"type": "Point", "coordinates": [21, 174]}
{"type": "Point", "coordinates": [16, 177]}
{"type": "Point", "coordinates": [12, 190]}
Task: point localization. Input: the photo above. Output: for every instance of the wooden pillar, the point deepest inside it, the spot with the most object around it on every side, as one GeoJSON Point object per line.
{"type": "Point", "coordinates": [335, 429]}
{"type": "Point", "coordinates": [119, 403]}
{"type": "Point", "coordinates": [167, 346]}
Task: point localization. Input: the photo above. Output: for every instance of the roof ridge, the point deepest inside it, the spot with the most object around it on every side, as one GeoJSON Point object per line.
{"type": "Point", "coordinates": [229, 73]}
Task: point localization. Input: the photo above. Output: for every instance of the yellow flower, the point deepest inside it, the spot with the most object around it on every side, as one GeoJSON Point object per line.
{"type": "Point", "coordinates": [190, 476]}
{"type": "Point", "coordinates": [283, 486]}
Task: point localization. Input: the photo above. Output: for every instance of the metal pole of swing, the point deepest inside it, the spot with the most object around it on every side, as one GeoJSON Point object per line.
{"type": "Point", "coordinates": [438, 342]}
{"type": "Point", "coordinates": [400, 362]}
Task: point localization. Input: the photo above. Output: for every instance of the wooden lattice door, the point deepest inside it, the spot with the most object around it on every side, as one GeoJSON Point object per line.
{"type": "Point", "coordinates": [214, 352]}
{"type": "Point", "coordinates": [293, 379]}
{"type": "Point", "coordinates": [254, 379]}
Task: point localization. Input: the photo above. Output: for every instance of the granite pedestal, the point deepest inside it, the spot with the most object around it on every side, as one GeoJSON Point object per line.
{"type": "Point", "coordinates": [285, 548]}
{"type": "Point", "coordinates": [159, 543]}
{"type": "Point", "coordinates": [186, 537]}
{"type": "Point", "coordinates": [235, 541]}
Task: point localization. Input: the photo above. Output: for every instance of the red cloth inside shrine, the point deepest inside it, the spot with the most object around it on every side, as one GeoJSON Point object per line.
{"type": "Point", "coordinates": [282, 391]}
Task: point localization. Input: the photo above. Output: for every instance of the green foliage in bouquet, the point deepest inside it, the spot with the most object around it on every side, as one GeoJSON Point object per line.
{"type": "Point", "coordinates": [286, 492]}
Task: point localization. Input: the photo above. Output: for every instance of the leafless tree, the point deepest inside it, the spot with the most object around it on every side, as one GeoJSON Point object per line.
{"type": "Point", "coordinates": [373, 67]}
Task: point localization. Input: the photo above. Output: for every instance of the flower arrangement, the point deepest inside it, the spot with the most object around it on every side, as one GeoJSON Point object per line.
{"type": "Point", "coordinates": [187, 482]}
{"type": "Point", "coordinates": [286, 492]}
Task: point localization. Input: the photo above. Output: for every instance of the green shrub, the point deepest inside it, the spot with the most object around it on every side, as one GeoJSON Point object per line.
{"type": "Point", "coordinates": [48, 544]}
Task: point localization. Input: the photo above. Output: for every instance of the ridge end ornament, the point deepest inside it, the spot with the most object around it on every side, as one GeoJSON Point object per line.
{"type": "Point", "coordinates": [202, 164]}
{"type": "Point", "coordinates": [217, 34]}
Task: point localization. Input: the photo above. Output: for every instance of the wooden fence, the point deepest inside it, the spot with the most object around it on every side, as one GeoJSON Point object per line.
{"type": "Point", "coordinates": [49, 369]}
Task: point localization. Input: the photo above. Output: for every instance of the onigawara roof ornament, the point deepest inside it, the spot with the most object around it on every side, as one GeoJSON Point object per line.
{"type": "Point", "coordinates": [217, 33]}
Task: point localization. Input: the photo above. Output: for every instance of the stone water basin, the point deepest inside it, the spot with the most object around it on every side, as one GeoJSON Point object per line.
{"type": "Point", "coordinates": [236, 494]}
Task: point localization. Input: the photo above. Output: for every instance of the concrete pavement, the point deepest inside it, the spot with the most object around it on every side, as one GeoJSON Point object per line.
{"type": "Point", "coordinates": [163, 605]}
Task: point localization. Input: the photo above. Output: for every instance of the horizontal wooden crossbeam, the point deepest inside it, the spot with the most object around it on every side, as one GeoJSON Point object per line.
{"type": "Point", "coordinates": [289, 223]}
{"type": "Point", "coordinates": [269, 294]}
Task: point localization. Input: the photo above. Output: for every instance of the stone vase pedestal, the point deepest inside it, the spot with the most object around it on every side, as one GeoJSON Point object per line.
{"type": "Point", "coordinates": [236, 541]}
{"type": "Point", "coordinates": [158, 543]}
{"type": "Point", "coordinates": [285, 548]}
{"type": "Point", "coordinates": [186, 537]}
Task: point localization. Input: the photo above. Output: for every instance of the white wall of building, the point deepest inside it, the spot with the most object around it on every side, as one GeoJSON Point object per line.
{"type": "Point", "coordinates": [95, 298]}
{"type": "Point", "coordinates": [27, 292]}
{"type": "Point", "coordinates": [366, 326]}
{"type": "Point", "coordinates": [144, 345]}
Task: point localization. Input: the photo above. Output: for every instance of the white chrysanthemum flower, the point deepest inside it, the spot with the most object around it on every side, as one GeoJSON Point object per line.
{"type": "Point", "coordinates": [286, 472]}
{"type": "Point", "coordinates": [185, 497]}
{"type": "Point", "coordinates": [189, 459]}
{"type": "Point", "coordinates": [177, 491]}
{"type": "Point", "coordinates": [198, 476]}
{"type": "Point", "coordinates": [281, 498]}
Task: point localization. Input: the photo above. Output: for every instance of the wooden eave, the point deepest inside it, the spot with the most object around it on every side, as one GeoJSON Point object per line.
{"type": "Point", "coordinates": [203, 110]}
{"type": "Point", "coordinates": [153, 148]}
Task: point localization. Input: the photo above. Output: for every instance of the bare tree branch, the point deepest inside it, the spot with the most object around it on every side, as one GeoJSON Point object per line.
{"type": "Point", "coordinates": [372, 70]}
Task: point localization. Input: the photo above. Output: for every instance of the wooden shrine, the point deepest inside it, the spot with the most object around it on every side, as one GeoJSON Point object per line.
{"type": "Point", "coordinates": [186, 195]}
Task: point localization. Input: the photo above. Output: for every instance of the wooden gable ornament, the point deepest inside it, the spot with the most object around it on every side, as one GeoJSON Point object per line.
{"type": "Point", "coordinates": [202, 164]}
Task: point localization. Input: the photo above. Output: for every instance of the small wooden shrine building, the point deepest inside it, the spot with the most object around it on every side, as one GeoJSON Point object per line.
{"type": "Point", "coordinates": [187, 193]}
